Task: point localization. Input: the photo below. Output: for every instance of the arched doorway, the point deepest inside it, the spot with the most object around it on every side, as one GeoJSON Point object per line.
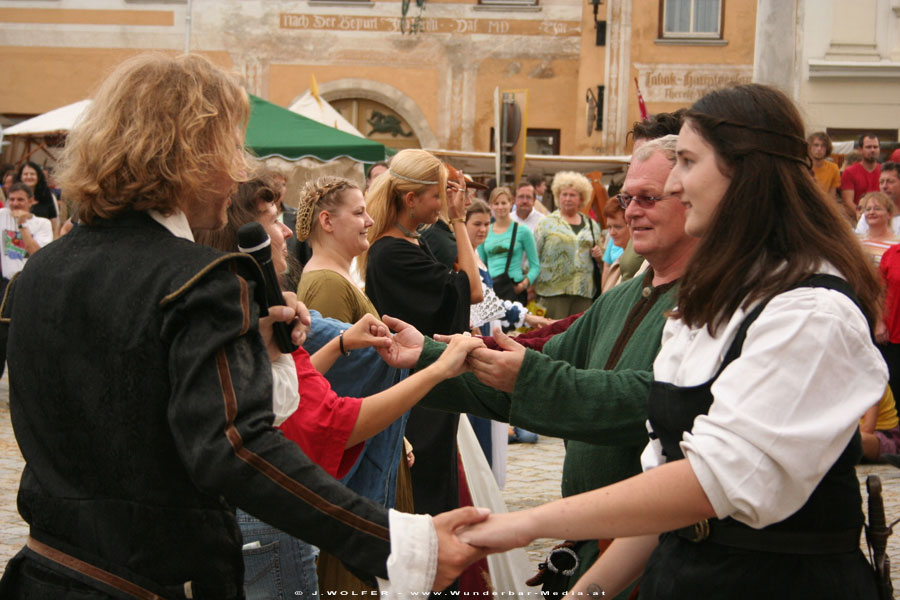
{"type": "Point", "coordinates": [359, 100]}
{"type": "Point", "coordinates": [378, 122]}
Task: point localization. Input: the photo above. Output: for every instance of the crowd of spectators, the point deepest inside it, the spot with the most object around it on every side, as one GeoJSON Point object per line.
{"type": "Point", "coordinates": [543, 306]}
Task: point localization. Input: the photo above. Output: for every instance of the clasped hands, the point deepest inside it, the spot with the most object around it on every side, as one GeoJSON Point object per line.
{"type": "Point", "coordinates": [496, 368]}
{"type": "Point", "coordinates": [402, 349]}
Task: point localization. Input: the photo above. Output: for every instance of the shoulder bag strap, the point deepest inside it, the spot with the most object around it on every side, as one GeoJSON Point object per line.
{"type": "Point", "coordinates": [512, 245]}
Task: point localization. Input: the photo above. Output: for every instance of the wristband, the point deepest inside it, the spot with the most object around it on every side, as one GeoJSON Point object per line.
{"type": "Point", "coordinates": [341, 344]}
{"type": "Point", "coordinates": [457, 220]}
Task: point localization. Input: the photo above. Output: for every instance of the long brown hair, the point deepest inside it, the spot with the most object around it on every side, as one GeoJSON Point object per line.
{"type": "Point", "coordinates": [248, 202]}
{"type": "Point", "coordinates": [774, 226]}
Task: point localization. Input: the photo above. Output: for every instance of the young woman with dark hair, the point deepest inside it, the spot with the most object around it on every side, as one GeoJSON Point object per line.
{"type": "Point", "coordinates": [749, 487]}
{"type": "Point", "coordinates": [47, 206]}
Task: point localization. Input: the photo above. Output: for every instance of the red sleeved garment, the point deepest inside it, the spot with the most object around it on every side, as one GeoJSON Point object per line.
{"type": "Point", "coordinates": [322, 423]}
{"type": "Point", "coordinates": [536, 338]}
{"type": "Point", "coordinates": [890, 270]}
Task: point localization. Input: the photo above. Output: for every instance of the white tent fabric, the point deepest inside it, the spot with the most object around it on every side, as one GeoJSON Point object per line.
{"type": "Point", "coordinates": [509, 570]}
{"type": "Point", "coordinates": [321, 111]}
{"type": "Point", "coordinates": [842, 147]}
{"type": "Point", "coordinates": [60, 120]}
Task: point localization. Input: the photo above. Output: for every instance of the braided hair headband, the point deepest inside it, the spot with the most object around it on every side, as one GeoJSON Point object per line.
{"type": "Point", "coordinates": [312, 193]}
{"type": "Point", "coordinates": [800, 144]}
{"type": "Point", "coordinates": [410, 179]}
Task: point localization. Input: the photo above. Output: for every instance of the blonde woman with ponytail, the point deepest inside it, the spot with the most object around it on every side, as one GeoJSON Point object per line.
{"type": "Point", "coordinates": [405, 280]}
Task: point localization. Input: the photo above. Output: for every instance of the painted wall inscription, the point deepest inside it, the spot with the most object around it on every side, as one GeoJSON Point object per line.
{"type": "Point", "coordinates": [432, 25]}
{"type": "Point", "coordinates": [687, 83]}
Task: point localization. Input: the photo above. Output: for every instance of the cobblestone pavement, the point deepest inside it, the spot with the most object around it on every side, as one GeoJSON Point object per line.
{"type": "Point", "coordinates": [533, 478]}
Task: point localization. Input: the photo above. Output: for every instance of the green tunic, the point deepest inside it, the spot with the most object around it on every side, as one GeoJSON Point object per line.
{"type": "Point", "coordinates": [566, 392]}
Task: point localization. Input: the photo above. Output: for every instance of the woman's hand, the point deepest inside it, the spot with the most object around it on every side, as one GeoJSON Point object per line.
{"type": "Point", "coordinates": [368, 331]}
{"type": "Point", "coordinates": [596, 253]}
{"type": "Point", "coordinates": [453, 359]}
{"type": "Point", "coordinates": [882, 335]}
{"type": "Point", "coordinates": [456, 197]}
{"type": "Point", "coordinates": [500, 532]}
{"type": "Point", "coordinates": [406, 345]}
{"type": "Point", "coordinates": [521, 286]}
{"type": "Point", "coordinates": [536, 322]}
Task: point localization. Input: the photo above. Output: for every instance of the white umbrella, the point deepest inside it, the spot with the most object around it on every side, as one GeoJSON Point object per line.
{"type": "Point", "coordinates": [60, 120]}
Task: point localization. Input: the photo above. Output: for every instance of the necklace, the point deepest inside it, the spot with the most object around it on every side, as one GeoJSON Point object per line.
{"type": "Point", "coordinates": [407, 232]}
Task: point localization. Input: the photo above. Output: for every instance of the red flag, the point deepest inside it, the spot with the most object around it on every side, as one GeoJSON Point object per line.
{"type": "Point", "coordinates": [644, 114]}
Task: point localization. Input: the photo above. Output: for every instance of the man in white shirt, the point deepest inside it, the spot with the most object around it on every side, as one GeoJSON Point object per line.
{"type": "Point", "coordinates": [525, 212]}
{"type": "Point", "coordinates": [23, 233]}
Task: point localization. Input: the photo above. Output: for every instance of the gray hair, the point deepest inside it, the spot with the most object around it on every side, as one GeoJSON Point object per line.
{"type": "Point", "coordinates": [665, 145]}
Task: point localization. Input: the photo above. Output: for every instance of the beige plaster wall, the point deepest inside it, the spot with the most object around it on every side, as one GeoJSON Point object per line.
{"type": "Point", "coordinates": [552, 96]}
{"type": "Point", "coordinates": [54, 77]}
{"type": "Point", "coordinates": [738, 33]}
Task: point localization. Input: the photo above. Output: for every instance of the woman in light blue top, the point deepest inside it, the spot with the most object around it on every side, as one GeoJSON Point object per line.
{"type": "Point", "coordinates": [495, 249]}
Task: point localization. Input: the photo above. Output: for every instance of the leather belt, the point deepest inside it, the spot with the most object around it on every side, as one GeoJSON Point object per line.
{"type": "Point", "coordinates": [91, 571]}
{"type": "Point", "coordinates": [767, 540]}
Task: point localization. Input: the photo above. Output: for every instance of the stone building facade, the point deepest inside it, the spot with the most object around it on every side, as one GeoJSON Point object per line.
{"type": "Point", "coordinates": [840, 59]}
{"type": "Point", "coordinates": [426, 80]}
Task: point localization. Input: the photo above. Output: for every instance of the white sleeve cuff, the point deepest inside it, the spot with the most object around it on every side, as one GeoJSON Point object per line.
{"type": "Point", "coordinates": [285, 389]}
{"type": "Point", "coordinates": [412, 564]}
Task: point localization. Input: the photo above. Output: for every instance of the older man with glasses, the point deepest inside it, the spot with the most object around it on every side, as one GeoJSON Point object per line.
{"type": "Point", "coordinates": [589, 384]}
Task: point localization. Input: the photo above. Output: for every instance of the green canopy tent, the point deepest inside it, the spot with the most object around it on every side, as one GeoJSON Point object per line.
{"type": "Point", "coordinates": [274, 131]}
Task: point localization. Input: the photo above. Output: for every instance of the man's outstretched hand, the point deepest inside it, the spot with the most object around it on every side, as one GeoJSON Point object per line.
{"type": "Point", "coordinates": [498, 368]}
{"type": "Point", "coordinates": [453, 555]}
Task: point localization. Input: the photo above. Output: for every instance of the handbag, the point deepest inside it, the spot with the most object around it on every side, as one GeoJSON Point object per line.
{"type": "Point", "coordinates": [597, 273]}
{"type": "Point", "coordinates": [504, 286]}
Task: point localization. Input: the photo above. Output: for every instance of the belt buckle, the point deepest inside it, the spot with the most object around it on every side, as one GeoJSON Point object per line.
{"type": "Point", "coordinates": [700, 531]}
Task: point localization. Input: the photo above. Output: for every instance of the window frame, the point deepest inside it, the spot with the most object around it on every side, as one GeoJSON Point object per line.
{"type": "Point", "coordinates": [536, 132]}
{"type": "Point", "coordinates": [690, 35]}
{"type": "Point", "coordinates": [508, 3]}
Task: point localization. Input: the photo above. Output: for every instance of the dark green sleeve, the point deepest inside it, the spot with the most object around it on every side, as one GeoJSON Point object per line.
{"type": "Point", "coordinates": [565, 392]}
{"type": "Point", "coordinates": [554, 398]}
{"type": "Point", "coordinates": [463, 394]}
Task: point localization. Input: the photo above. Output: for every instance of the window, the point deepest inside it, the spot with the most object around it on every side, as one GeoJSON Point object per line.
{"type": "Point", "coordinates": [692, 19]}
{"type": "Point", "coordinates": [537, 141]}
{"type": "Point", "coordinates": [508, 3]}
{"type": "Point", "coordinates": [542, 141]}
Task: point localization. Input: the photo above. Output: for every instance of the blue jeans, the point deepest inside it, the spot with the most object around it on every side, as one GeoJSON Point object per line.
{"type": "Point", "coordinates": [282, 567]}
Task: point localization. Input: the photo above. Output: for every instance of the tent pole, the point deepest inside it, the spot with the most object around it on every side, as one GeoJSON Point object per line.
{"type": "Point", "coordinates": [187, 28]}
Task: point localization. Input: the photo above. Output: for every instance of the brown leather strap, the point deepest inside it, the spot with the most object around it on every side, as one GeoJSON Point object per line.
{"type": "Point", "coordinates": [89, 570]}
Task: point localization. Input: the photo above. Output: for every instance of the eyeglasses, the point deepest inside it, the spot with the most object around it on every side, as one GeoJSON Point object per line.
{"type": "Point", "coordinates": [642, 201]}
{"type": "Point", "coordinates": [874, 208]}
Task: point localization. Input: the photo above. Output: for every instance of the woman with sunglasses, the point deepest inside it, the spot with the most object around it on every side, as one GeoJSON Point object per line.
{"type": "Point", "coordinates": [749, 488]}
{"type": "Point", "coordinates": [569, 246]}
